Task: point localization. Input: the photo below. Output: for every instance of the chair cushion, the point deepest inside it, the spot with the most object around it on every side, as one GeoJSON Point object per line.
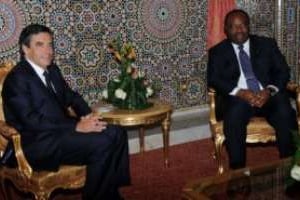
{"type": "Point", "coordinates": [68, 177]}
{"type": "Point", "coordinates": [258, 130]}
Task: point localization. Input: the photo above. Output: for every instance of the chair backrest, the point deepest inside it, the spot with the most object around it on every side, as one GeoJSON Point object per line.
{"type": "Point", "coordinates": [5, 67]}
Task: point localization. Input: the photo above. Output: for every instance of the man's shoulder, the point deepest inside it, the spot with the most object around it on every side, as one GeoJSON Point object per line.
{"type": "Point", "coordinates": [262, 39]}
{"type": "Point", "coordinates": [18, 71]}
{"type": "Point", "coordinates": [221, 46]}
{"type": "Point", "coordinates": [54, 68]}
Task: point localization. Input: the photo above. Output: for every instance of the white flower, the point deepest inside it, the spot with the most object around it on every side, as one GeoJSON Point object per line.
{"type": "Point", "coordinates": [116, 80]}
{"type": "Point", "coordinates": [105, 94]}
{"type": "Point", "coordinates": [134, 66]}
{"type": "Point", "coordinates": [129, 70]}
{"type": "Point", "coordinates": [149, 91]}
{"type": "Point", "coordinates": [120, 94]}
{"type": "Point", "coordinates": [141, 74]}
{"type": "Point", "coordinates": [295, 172]}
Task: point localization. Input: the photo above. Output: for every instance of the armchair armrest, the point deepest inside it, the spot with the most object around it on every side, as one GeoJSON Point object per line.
{"type": "Point", "coordinates": [212, 106]}
{"type": "Point", "coordinates": [7, 131]}
{"type": "Point", "coordinates": [12, 134]}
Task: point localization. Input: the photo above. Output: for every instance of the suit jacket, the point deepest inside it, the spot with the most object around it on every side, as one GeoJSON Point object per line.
{"type": "Point", "coordinates": [39, 115]}
{"type": "Point", "coordinates": [268, 64]}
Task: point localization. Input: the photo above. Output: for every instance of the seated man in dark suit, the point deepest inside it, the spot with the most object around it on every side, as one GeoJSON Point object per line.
{"type": "Point", "coordinates": [251, 74]}
{"type": "Point", "coordinates": [35, 101]}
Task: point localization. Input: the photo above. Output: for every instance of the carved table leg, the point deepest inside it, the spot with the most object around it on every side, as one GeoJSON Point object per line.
{"type": "Point", "coordinates": [141, 138]}
{"type": "Point", "coordinates": [165, 126]}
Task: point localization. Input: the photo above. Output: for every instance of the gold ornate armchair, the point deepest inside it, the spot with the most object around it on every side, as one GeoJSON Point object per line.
{"type": "Point", "coordinates": [40, 183]}
{"type": "Point", "coordinates": [258, 130]}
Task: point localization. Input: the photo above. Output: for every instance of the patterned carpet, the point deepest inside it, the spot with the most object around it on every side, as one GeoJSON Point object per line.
{"type": "Point", "coordinates": [190, 161]}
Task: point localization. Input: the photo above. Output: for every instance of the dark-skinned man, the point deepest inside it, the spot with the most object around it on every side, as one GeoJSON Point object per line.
{"type": "Point", "coordinates": [251, 75]}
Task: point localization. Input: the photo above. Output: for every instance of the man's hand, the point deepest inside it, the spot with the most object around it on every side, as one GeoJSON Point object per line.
{"type": "Point", "coordinates": [262, 97]}
{"type": "Point", "coordinates": [254, 99]}
{"type": "Point", "coordinates": [247, 95]}
{"type": "Point", "coordinates": [90, 123]}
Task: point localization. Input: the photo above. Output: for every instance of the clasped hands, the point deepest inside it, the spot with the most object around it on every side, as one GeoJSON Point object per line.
{"type": "Point", "coordinates": [255, 99]}
{"type": "Point", "coordinates": [91, 123]}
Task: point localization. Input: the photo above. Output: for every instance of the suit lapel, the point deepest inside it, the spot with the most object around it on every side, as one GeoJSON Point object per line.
{"type": "Point", "coordinates": [254, 53]}
{"type": "Point", "coordinates": [39, 82]}
{"type": "Point", "coordinates": [232, 57]}
{"type": "Point", "coordinates": [33, 75]}
{"type": "Point", "coordinates": [57, 94]}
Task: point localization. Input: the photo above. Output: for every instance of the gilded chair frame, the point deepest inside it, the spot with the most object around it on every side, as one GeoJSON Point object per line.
{"type": "Point", "coordinates": [258, 129]}
{"type": "Point", "coordinates": [40, 183]}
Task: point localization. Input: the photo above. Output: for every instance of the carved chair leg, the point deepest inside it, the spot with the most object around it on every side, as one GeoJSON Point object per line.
{"type": "Point", "coordinates": [218, 142]}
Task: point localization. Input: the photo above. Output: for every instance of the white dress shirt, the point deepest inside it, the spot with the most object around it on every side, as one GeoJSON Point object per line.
{"type": "Point", "coordinates": [40, 72]}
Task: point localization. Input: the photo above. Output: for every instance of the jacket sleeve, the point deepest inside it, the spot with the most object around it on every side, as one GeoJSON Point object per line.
{"type": "Point", "coordinates": [280, 71]}
{"type": "Point", "coordinates": [215, 73]}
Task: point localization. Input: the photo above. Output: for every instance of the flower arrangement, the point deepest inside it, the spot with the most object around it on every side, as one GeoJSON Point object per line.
{"type": "Point", "coordinates": [130, 90]}
{"type": "Point", "coordinates": [295, 171]}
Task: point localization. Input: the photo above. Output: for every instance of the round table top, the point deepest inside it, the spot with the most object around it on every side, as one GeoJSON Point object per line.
{"type": "Point", "coordinates": [150, 115]}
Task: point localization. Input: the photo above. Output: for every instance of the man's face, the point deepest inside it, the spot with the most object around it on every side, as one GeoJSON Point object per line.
{"type": "Point", "coordinates": [40, 50]}
{"type": "Point", "coordinates": [237, 29]}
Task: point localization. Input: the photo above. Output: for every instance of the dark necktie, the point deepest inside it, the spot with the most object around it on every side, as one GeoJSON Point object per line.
{"type": "Point", "coordinates": [51, 88]}
{"type": "Point", "coordinates": [246, 65]}
{"type": "Point", "coordinates": [48, 82]}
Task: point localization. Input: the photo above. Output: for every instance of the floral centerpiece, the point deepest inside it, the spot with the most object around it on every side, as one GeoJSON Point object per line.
{"type": "Point", "coordinates": [130, 90]}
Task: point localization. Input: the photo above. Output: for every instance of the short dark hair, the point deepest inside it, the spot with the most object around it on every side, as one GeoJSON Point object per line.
{"type": "Point", "coordinates": [28, 31]}
{"type": "Point", "coordinates": [236, 11]}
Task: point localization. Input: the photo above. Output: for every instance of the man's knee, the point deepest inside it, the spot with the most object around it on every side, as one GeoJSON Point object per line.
{"type": "Point", "coordinates": [238, 110]}
{"type": "Point", "coordinates": [284, 114]}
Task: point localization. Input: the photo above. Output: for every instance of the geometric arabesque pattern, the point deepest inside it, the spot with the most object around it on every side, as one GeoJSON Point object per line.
{"type": "Point", "coordinates": [279, 19]}
{"type": "Point", "coordinates": [14, 15]}
{"type": "Point", "coordinates": [291, 35]}
{"type": "Point", "coordinates": [169, 36]}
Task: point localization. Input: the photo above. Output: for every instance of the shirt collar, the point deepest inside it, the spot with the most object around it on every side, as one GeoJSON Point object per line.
{"type": "Point", "coordinates": [245, 44]}
{"type": "Point", "coordinates": [39, 70]}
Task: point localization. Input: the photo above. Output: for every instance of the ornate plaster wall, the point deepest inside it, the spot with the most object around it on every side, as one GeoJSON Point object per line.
{"type": "Point", "coordinates": [169, 36]}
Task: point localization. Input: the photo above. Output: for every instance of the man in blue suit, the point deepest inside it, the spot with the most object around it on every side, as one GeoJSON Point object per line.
{"type": "Point", "coordinates": [36, 99]}
{"type": "Point", "coordinates": [250, 74]}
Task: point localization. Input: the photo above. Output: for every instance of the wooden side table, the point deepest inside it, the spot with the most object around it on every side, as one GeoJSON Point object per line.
{"type": "Point", "coordinates": [159, 113]}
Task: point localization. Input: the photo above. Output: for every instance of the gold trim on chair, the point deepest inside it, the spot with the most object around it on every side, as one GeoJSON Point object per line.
{"type": "Point", "coordinates": [258, 129]}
